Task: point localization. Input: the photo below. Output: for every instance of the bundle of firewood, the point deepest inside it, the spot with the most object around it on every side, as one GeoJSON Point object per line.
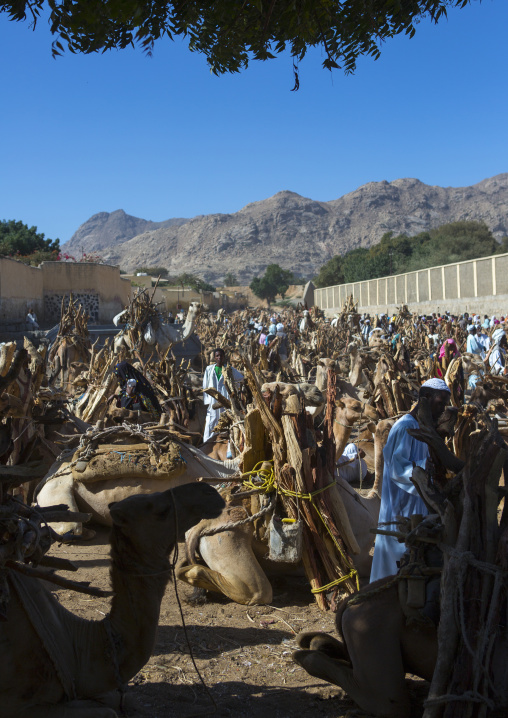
{"type": "Point", "coordinates": [101, 383]}
{"type": "Point", "coordinates": [26, 538]}
{"type": "Point", "coordinates": [303, 477]}
{"type": "Point", "coordinates": [473, 537]}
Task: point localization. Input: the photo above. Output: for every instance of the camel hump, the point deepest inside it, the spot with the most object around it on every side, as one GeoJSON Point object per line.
{"type": "Point", "coordinates": [127, 461]}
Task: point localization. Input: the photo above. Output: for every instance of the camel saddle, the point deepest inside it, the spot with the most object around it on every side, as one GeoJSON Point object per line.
{"type": "Point", "coordinates": [135, 461]}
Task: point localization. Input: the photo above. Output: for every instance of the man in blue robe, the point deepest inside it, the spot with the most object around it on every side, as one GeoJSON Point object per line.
{"type": "Point", "coordinates": [399, 496]}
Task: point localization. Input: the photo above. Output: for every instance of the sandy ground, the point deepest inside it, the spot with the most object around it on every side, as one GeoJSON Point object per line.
{"type": "Point", "coordinates": [243, 653]}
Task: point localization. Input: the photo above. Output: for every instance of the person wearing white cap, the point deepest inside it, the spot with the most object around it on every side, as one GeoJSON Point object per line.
{"type": "Point", "coordinates": [348, 464]}
{"type": "Point", "coordinates": [496, 356]}
{"type": "Point", "coordinates": [399, 496]}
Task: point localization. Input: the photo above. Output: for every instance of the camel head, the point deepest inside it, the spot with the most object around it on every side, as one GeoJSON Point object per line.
{"type": "Point", "coordinates": [194, 310]}
{"type": "Point", "coordinates": [146, 527]}
{"type": "Point", "coordinates": [121, 317]}
{"type": "Point", "coordinates": [348, 411]}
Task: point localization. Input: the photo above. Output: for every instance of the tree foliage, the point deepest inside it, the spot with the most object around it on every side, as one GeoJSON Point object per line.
{"type": "Point", "coordinates": [186, 279]}
{"type": "Point", "coordinates": [274, 281]}
{"type": "Point", "coordinates": [231, 34]}
{"type": "Point", "coordinates": [230, 280]}
{"type": "Point", "coordinates": [454, 242]}
{"type": "Point", "coordinates": [154, 271]}
{"type": "Point", "coordinates": [18, 239]}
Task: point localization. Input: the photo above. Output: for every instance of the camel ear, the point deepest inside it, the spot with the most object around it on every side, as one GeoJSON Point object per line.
{"type": "Point", "coordinates": [340, 404]}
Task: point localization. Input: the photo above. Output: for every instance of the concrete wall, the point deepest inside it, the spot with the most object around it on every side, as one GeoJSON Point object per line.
{"type": "Point", "coordinates": [479, 284]}
{"type": "Point", "coordinates": [20, 290]}
{"type": "Point", "coordinates": [99, 287]}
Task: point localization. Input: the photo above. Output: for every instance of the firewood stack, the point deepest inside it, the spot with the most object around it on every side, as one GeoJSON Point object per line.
{"type": "Point", "coordinates": [303, 478]}
{"type": "Point", "coordinates": [101, 383]}
{"type": "Point", "coordinates": [471, 511]}
{"type": "Point", "coordinates": [25, 540]}
{"type": "Point", "coordinates": [72, 330]}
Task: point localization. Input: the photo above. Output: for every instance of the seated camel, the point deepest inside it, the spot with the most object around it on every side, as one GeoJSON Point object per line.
{"type": "Point", "coordinates": [375, 650]}
{"type": "Point", "coordinates": [234, 556]}
{"type": "Point", "coordinates": [91, 490]}
{"type": "Point", "coordinates": [58, 665]}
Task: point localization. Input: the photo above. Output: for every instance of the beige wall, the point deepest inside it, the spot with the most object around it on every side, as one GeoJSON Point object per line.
{"type": "Point", "coordinates": [478, 283]}
{"type": "Point", "coordinates": [20, 290]}
{"type": "Point", "coordinates": [100, 288]}
{"type": "Point", "coordinates": [86, 277]}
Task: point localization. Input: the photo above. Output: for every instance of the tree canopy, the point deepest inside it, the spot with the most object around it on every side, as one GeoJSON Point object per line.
{"type": "Point", "coordinates": [454, 242]}
{"type": "Point", "coordinates": [274, 281]}
{"type": "Point", "coordinates": [25, 243]}
{"type": "Point", "coordinates": [190, 280]}
{"type": "Point", "coordinates": [231, 34]}
{"type": "Point", "coordinates": [230, 280]}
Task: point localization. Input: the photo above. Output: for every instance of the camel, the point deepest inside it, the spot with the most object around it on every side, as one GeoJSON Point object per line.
{"type": "Point", "coordinates": [161, 334]}
{"type": "Point", "coordinates": [375, 650]}
{"type": "Point", "coordinates": [66, 352]}
{"type": "Point", "coordinates": [94, 495]}
{"type": "Point", "coordinates": [305, 322]}
{"type": "Point", "coordinates": [58, 665]}
{"type": "Point", "coordinates": [377, 646]}
{"type": "Point", "coordinates": [232, 557]}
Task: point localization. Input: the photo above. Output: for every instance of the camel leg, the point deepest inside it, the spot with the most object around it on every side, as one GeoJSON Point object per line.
{"type": "Point", "coordinates": [318, 641]}
{"type": "Point", "coordinates": [232, 587]}
{"type": "Point", "coordinates": [374, 675]}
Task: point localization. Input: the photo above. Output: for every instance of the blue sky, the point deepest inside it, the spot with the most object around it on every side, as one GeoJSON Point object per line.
{"type": "Point", "coordinates": [161, 137]}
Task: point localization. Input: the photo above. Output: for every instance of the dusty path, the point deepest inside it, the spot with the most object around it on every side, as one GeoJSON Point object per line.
{"type": "Point", "coordinates": [244, 654]}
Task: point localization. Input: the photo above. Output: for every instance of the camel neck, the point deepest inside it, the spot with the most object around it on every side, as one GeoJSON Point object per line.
{"type": "Point", "coordinates": [134, 617]}
{"type": "Point", "coordinates": [188, 326]}
{"type": "Point", "coordinates": [342, 434]}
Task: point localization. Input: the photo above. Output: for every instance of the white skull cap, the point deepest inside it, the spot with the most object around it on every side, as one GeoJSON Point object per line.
{"type": "Point", "coordinates": [437, 384]}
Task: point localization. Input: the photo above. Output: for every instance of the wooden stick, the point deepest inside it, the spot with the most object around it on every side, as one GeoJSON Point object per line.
{"type": "Point", "coordinates": [80, 587]}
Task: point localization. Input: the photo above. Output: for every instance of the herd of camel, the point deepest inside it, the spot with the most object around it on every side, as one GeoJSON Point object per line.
{"type": "Point", "coordinates": [63, 442]}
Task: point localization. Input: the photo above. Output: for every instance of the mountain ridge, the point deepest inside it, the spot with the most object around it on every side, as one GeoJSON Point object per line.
{"type": "Point", "coordinates": [296, 232]}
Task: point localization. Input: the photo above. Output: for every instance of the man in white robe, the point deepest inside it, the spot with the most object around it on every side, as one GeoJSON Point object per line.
{"type": "Point", "coordinates": [213, 379]}
{"type": "Point", "coordinates": [399, 496]}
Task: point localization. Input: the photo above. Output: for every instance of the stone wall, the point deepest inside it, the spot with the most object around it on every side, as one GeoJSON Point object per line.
{"type": "Point", "coordinates": [90, 302]}
{"type": "Point", "coordinates": [479, 284]}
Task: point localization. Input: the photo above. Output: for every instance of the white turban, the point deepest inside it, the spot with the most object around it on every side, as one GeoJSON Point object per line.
{"type": "Point", "coordinates": [437, 384]}
{"type": "Point", "coordinates": [498, 335]}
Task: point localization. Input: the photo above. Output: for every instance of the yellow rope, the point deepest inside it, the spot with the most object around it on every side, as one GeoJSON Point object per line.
{"type": "Point", "coordinates": [267, 484]}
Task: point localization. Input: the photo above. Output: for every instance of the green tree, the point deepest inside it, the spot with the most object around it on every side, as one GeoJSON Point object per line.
{"type": "Point", "coordinates": [17, 238]}
{"type": "Point", "coordinates": [186, 279]}
{"type": "Point", "coordinates": [453, 242]}
{"type": "Point", "coordinates": [274, 281]}
{"type": "Point", "coordinates": [230, 35]}
{"type": "Point", "coordinates": [230, 280]}
{"type": "Point", "coordinates": [154, 271]}
{"type": "Point", "coordinates": [331, 273]}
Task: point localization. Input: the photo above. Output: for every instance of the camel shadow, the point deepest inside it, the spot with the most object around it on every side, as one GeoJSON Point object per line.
{"type": "Point", "coordinates": [211, 641]}
{"type": "Point", "coordinates": [91, 563]}
{"type": "Point", "coordinates": [239, 699]}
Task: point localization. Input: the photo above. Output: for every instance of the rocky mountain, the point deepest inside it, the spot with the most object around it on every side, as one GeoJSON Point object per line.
{"type": "Point", "coordinates": [298, 233]}
{"type": "Point", "coordinates": [110, 229]}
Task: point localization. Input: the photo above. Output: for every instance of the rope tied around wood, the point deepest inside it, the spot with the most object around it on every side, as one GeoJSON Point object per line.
{"type": "Point", "coordinates": [269, 484]}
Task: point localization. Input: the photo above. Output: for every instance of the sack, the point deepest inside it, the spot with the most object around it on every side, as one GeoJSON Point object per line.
{"type": "Point", "coordinates": [285, 542]}
{"type": "Point", "coordinates": [149, 335]}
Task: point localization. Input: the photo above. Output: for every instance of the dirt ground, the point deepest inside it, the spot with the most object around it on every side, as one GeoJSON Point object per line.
{"type": "Point", "coordinates": [243, 653]}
